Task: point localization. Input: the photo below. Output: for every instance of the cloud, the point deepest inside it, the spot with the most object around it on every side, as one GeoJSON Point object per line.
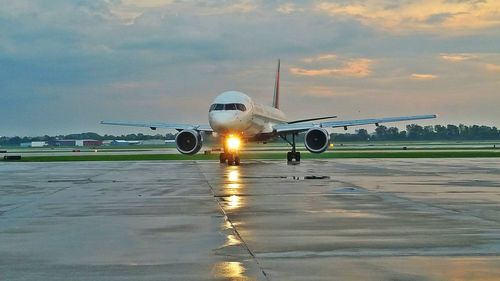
{"type": "Point", "coordinates": [457, 57]}
{"type": "Point", "coordinates": [423, 76]}
{"type": "Point", "coordinates": [435, 16]}
{"type": "Point", "coordinates": [128, 11]}
{"type": "Point", "coordinates": [325, 92]}
{"type": "Point", "coordinates": [139, 58]}
{"type": "Point", "coordinates": [324, 57]}
{"type": "Point", "coordinates": [351, 68]}
{"type": "Point", "coordinates": [492, 67]}
{"type": "Point", "coordinates": [286, 8]}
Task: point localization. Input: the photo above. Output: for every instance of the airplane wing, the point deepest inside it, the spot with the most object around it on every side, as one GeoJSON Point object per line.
{"type": "Point", "coordinates": [299, 127]}
{"type": "Point", "coordinates": [154, 126]}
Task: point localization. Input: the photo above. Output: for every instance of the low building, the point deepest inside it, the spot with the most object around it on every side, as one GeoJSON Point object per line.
{"type": "Point", "coordinates": [72, 143]}
{"type": "Point", "coordinates": [92, 142]}
{"type": "Point", "coordinates": [124, 142]}
{"type": "Point", "coordinates": [34, 144]}
{"type": "Point", "coordinates": [64, 143]}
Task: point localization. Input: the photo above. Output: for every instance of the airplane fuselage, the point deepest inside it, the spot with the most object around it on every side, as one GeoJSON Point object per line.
{"type": "Point", "coordinates": [233, 112]}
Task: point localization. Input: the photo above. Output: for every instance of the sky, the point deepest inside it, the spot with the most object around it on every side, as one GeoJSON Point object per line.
{"type": "Point", "coordinates": [65, 65]}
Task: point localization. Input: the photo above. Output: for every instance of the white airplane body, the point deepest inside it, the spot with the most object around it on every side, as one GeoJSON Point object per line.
{"type": "Point", "coordinates": [254, 120]}
{"type": "Point", "coordinates": [234, 116]}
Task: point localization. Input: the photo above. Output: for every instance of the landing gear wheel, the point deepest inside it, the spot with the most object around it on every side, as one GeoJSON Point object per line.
{"type": "Point", "coordinates": [297, 156]}
{"type": "Point", "coordinates": [230, 159]}
{"type": "Point", "coordinates": [222, 157]}
{"type": "Point", "coordinates": [236, 160]}
{"type": "Point", "coordinates": [290, 156]}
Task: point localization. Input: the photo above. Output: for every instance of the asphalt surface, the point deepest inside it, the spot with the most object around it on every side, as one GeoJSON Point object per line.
{"type": "Point", "coordinates": [348, 219]}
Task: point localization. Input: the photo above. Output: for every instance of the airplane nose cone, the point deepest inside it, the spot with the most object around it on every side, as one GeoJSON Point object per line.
{"type": "Point", "coordinates": [223, 121]}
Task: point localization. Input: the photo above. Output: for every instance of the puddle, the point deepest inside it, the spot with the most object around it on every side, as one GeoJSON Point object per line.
{"type": "Point", "coordinates": [310, 177]}
{"type": "Point", "coordinates": [76, 181]}
{"type": "Point", "coordinates": [348, 190]}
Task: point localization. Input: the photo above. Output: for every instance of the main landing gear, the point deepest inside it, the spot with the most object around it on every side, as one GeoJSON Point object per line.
{"type": "Point", "coordinates": [294, 154]}
{"type": "Point", "coordinates": [233, 159]}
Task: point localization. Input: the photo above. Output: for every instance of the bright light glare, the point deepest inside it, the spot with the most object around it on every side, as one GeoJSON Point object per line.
{"type": "Point", "coordinates": [233, 143]}
{"type": "Point", "coordinates": [234, 176]}
{"type": "Point", "coordinates": [234, 202]}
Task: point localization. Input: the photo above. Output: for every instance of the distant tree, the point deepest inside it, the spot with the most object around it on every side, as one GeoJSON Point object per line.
{"type": "Point", "coordinates": [415, 132]}
{"type": "Point", "coordinates": [428, 133]}
{"type": "Point", "coordinates": [393, 133]}
{"type": "Point", "coordinates": [441, 132]}
{"type": "Point", "coordinates": [381, 132]}
{"type": "Point", "coordinates": [453, 132]}
{"type": "Point", "coordinates": [362, 135]}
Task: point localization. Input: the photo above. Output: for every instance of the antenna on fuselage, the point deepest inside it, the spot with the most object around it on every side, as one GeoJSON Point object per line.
{"type": "Point", "coordinates": [276, 97]}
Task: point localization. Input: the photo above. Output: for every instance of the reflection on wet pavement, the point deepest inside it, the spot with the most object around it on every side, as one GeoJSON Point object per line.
{"type": "Point", "coordinates": [367, 219]}
{"type": "Point", "coordinates": [342, 219]}
{"type": "Point", "coordinates": [230, 270]}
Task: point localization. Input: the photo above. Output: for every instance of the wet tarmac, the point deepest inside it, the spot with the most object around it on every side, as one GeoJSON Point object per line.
{"type": "Point", "coordinates": [342, 219]}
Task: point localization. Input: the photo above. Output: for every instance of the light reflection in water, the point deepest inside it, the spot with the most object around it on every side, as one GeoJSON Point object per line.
{"type": "Point", "coordinates": [232, 240]}
{"type": "Point", "coordinates": [234, 202]}
{"type": "Point", "coordinates": [234, 175]}
{"type": "Point", "coordinates": [232, 188]}
{"type": "Point", "coordinates": [231, 269]}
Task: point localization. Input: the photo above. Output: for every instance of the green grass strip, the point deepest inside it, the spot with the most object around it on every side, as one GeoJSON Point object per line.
{"type": "Point", "coordinates": [327, 155]}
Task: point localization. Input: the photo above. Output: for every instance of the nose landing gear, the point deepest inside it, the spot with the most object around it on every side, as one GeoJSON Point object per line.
{"type": "Point", "coordinates": [233, 159]}
{"type": "Point", "coordinates": [294, 154]}
{"type": "Point", "coordinates": [231, 145]}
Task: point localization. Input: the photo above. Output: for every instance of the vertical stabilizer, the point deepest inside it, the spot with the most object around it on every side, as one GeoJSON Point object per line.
{"type": "Point", "coordinates": [276, 97]}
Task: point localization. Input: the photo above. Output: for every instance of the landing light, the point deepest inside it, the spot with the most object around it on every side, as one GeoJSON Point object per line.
{"type": "Point", "coordinates": [233, 143]}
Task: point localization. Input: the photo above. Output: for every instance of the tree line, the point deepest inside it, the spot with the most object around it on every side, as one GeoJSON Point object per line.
{"type": "Point", "coordinates": [15, 141]}
{"type": "Point", "coordinates": [413, 132]}
{"type": "Point", "coordinates": [416, 132]}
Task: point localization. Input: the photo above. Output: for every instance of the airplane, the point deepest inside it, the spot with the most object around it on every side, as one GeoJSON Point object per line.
{"type": "Point", "coordinates": [236, 118]}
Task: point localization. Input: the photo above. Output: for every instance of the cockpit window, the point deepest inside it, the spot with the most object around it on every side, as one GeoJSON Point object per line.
{"type": "Point", "coordinates": [241, 107]}
{"type": "Point", "coordinates": [229, 106]}
{"type": "Point", "coordinates": [216, 106]}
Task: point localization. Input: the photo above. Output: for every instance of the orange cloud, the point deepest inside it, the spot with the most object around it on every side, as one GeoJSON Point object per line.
{"type": "Point", "coordinates": [353, 68]}
{"type": "Point", "coordinates": [492, 67]}
{"type": "Point", "coordinates": [426, 15]}
{"type": "Point", "coordinates": [422, 76]}
{"type": "Point", "coordinates": [457, 57]}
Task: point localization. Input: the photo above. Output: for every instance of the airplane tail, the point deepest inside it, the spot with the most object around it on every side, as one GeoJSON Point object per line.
{"type": "Point", "coordinates": [276, 97]}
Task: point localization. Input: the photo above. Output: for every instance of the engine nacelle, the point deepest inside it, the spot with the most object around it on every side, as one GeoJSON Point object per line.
{"type": "Point", "coordinates": [188, 141]}
{"type": "Point", "coordinates": [317, 140]}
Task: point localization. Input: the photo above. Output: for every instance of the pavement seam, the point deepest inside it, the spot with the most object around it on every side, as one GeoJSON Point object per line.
{"type": "Point", "coordinates": [245, 245]}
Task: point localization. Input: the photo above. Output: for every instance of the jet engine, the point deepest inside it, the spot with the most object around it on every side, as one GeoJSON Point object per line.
{"type": "Point", "coordinates": [317, 140]}
{"type": "Point", "coordinates": [188, 141]}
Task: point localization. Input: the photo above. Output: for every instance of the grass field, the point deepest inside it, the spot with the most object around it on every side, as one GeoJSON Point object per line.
{"type": "Point", "coordinates": [326, 155]}
{"type": "Point", "coordinates": [376, 149]}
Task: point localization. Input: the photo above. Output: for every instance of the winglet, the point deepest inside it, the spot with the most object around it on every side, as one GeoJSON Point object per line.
{"type": "Point", "coordinates": [276, 97]}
